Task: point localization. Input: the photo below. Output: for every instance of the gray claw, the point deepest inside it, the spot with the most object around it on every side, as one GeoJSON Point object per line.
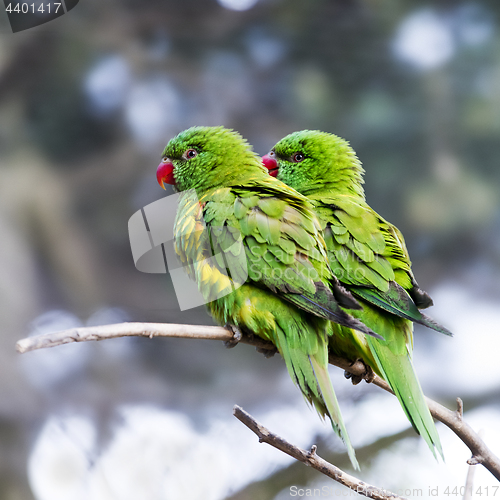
{"type": "Point", "coordinates": [237, 336]}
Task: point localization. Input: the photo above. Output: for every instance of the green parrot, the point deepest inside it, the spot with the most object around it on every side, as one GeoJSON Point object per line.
{"type": "Point", "coordinates": [369, 257]}
{"type": "Point", "coordinates": [233, 216]}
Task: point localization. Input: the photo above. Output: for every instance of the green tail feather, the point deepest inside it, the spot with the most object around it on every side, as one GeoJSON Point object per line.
{"type": "Point", "coordinates": [307, 363]}
{"type": "Point", "coordinates": [332, 406]}
{"type": "Point", "coordinates": [398, 371]}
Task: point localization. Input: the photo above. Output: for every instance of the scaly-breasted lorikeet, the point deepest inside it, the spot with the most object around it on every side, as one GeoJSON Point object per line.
{"type": "Point", "coordinates": [369, 257]}
{"type": "Point", "coordinates": [231, 209]}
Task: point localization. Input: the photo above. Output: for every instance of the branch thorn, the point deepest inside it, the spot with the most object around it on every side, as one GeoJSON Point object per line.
{"type": "Point", "coordinates": [475, 460]}
{"type": "Point", "coordinates": [460, 409]}
{"type": "Point", "coordinates": [312, 451]}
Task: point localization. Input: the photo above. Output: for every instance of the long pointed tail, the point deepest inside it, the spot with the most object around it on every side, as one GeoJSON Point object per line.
{"type": "Point", "coordinates": [332, 405]}
{"type": "Point", "coordinates": [397, 370]}
{"type": "Point", "coordinates": [307, 366]}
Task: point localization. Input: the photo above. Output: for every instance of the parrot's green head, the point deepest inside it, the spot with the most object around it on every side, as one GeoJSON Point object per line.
{"type": "Point", "coordinates": [204, 158]}
{"type": "Point", "coordinates": [310, 160]}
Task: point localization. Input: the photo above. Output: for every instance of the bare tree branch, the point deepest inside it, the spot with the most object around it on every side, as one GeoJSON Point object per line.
{"type": "Point", "coordinates": [311, 458]}
{"type": "Point", "coordinates": [121, 330]}
{"type": "Point", "coordinates": [481, 454]}
{"type": "Point", "coordinates": [150, 330]}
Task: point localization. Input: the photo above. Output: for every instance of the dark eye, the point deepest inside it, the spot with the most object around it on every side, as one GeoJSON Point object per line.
{"type": "Point", "coordinates": [298, 157]}
{"type": "Point", "coordinates": [190, 153]}
{"type": "Point", "coordinates": [165, 159]}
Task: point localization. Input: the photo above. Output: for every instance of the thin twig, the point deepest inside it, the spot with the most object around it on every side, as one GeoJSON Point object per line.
{"type": "Point", "coordinates": [481, 454]}
{"type": "Point", "coordinates": [469, 482]}
{"type": "Point", "coordinates": [312, 459]}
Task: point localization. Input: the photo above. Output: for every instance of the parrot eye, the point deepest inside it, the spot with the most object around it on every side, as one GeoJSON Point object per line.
{"type": "Point", "coordinates": [164, 159]}
{"type": "Point", "coordinates": [190, 153]}
{"type": "Point", "coordinates": [298, 157]}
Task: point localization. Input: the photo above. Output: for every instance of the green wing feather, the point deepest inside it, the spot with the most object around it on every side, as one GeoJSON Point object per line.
{"type": "Point", "coordinates": [370, 256]}
{"type": "Point", "coordinates": [397, 301]}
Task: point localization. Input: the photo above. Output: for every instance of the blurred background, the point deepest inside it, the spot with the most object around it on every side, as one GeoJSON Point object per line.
{"type": "Point", "coordinates": [87, 103]}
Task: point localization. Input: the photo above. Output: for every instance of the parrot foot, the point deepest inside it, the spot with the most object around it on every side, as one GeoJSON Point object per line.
{"type": "Point", "coordinates": [367, 375]}
{"type": "Point", "coordinates": [237, 336]}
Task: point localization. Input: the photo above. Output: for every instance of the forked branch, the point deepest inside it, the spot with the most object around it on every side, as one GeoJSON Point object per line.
{"type": "Point", "coordinates": [312, 459]}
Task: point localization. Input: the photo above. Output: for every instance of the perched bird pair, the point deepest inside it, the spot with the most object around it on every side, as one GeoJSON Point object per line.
{"type": "Point", "coordinates": [313, 268]}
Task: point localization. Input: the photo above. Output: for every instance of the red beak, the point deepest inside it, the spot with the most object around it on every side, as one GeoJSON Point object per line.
{"type": "Point", "coordinates": [271, 164]}
{"type": "Point", "coordinates": [165, 173]}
